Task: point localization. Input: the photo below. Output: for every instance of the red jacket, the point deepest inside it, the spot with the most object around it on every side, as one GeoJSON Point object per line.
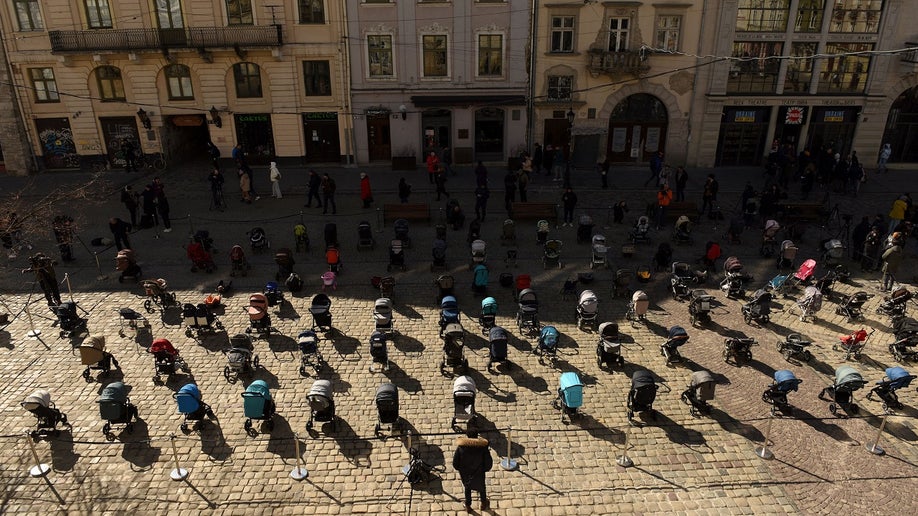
{"type": "Point", "coordinates": [365, 192]}
{"type": "Point", "coordinates": [432, 162]}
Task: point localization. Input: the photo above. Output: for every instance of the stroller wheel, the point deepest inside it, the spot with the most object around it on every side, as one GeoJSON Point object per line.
{"type": "Point", "coordinates": [255, 362]}
{"type": "Point", "coordinates": [303, 371]}
{"type": "Point", "coordinates": [309, 425]}
{"type": "Point", "coordinates": [226, 373]}
{"type": "Point", "coordinates": [726, 355]}
{"type": "Point", "coordinates": [376, 430]}
{"type": "Point", "coordinates": [184, 428]}
{"type": "Point", "coordinates": [148, 306]}
{"type": "Point", "coordinates": [833, 408]}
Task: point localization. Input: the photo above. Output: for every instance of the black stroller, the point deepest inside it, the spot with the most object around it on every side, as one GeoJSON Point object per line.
{"type": "Point", "coordinates": [640, 231]}
{"type": "Point", "coordinates": [401, 232]}
{"type": "Point", "coordinates": [737, 348]}
{"type": "Point", "coordinates": [732, 284]}
{"type": "Point", "coordinates": [39, 404]}
{"type": "Point", "coordinates": [852, 306]}
{"type": "Point", "coordinates": [365, 238]}
{"type": "Point", "coordinates": [285, 262]}
{"type": "Point", "coordinates": [310, 354]}
{"type": "Point", "coordinates": [320, 308]}
{"type": "Point", "coordinates": [68, 320]}
{"type": "Point", "coordinates": [682, 230]}
{"type": "Point", "coordinates": [787, 255]}
{"type": "Point", "coordinates": [527, 315]}
{"type": "Point", "coordinates": [387, 409]}
{"type": "Point", "coordinates": [94, 357]}
{"type": "Point", "coordinates": [758, 308]}
{"type": "Point", "coordinates": [700, 307]}
{"type": "Point", "coordinates": [508, 232]}
{"type": "Point", "coordinates": [497, 347]}
{"type": "Point", "coordinates": [896, 378]}
{"type": "Point", "coordinates": [379, 352]}
{"type": "Point", "coordinates": [642, 394]}
{"type": "Point", "coordinates": [895, 305]}
{"type": "Point", "coordinates": [438, 252]}
{"type": "Point", "coordinates": [454, 216]}
{"type": "Point", "coordinates": [699, 392]}
{"type": "Point", "coordinates": [584, 229]}
{"type": "Point", "coordinates": [453, 336]}
{"type": "Point", "coordinates": [776, 393]}
{"type": "Point", "coordinates": [331, 235]}
{"type": "Point", "coordinates": [841, 392]}
{"type": "Point", "coordinates": [199, 321]}
{"type": "Point", "coordinates": [670, 347]}
{"type": "Point", "coordinates": [258, 239]}
{"type": "Point", "coordinates": [116, 408]}
{"type": "Point", "coordinates": [794, 346]}
{"type": "Point", "coordinates": [906, 332]}
{"type": "Point", "coordinates": [609, 347]}
{"type": "Point", "coordinates": [446, 285]}
{"type": "Point", "coordinates": [241, 360]}
{"type": "Point", "coordinates": [321, 399]}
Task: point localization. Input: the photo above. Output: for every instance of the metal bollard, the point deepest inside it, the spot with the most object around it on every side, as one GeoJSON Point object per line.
{"type": "Point", "coordinates": [624, 460]}
{"type": "Point", "coordinates": [875, 447]}
{"type": "Point", "coordinates": [299, 472]}
{"type": "Point", "coordinates": [178, 473]}
{"type": "Point", "coordinates": [39, 469]}
{"type": "Point", "coordinates": [508, 464]}
{"type": "Point", "coordinates": [33, 331]}
{"type": "Point", "coordinates": [380, 223]}
{"type": "Point", "coordinates": [763, 451]}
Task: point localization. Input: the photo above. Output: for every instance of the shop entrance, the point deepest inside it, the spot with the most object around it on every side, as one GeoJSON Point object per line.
{"type": "Point", "coordinates": [115, 130]}
{"type": "Point", "coordinates": [378, 136]}
{"type": "Point", "coordinates": [902, 127]}
{"type": "Point", "coordinates": [185, 137]}
{"type": "Point", "coordinates": [57, 147]}
{"type": "Point", "coordinates": [436, 123]}
{"type": "Point", "coordinates": [321, 133]}
{"type": "Point", "coordinates": [254, 132]}
{"type": "Point", "coordinates": [637, 129]}
{"type": "Point", "coordinates": [833, 127]}
{"type": "Point", "coordinates": [743, 132]}
{"type": "Point", "coordinates": [489, 134]}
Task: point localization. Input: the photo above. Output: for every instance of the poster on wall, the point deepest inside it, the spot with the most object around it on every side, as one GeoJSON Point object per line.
{"type": "Point", "coordinates": [653, 139]}
{"type": "Point", "coordinates": [619, 139]}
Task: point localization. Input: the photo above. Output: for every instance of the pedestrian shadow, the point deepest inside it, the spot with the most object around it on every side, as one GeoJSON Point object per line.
{"type": "Point", "coordinates": [522, 345]}
{"type": "Point", "coordinates": [213, 442]}
{"type": "Point", "coordinates": [283, 447]}
{"type": "Point", "coordinates": [487, 387]}
{"type": "Point", "coordinates": [177, 380]}
{"type": "Point", "coordinates": [138, 451]}
{"type": "Point", "coordinates": [403, 380]}
{"type": "Point", "coordinates": [761, 367]}
{"type": "Point", "coordinates": [497, 439]}
{"type": "Point", "coordinates": [407, 344]}
{"type": "Point", "coordinates": [821, 367]}
{"type": "Point", "coordinates": [564, 366]}
{"type": "Point", "coordinates": [264, 374]}
{"type": "Point", "coordinates": [657, 329]}
{"type": "Point", "coordinates": [63, 458]}
{"type": "Point", "coordinates": [679, 434]}
{"type": "Point", "coordinates": [6, 340]}
{"type": "Point", "coordinates": [355, 449]}
{"type": "Point", "coordinates": [735, 426]}
{"type": "Point", "coordinates": [344, 344]}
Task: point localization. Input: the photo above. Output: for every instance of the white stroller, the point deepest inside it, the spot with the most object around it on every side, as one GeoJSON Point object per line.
{"type": "Point", "coordinates": [464, 392]}
{"type": "Point", "coordinates": [479, 253]}
{"type": "Point", "coordinates": [382, 314]}
{"type": "Point", "coordinates": [321, 399]}
{"type": "Point", "coordinates": [641, 230]}
{"type": "Point", "coordinates": [638, 307]}
{"type": "Point", "coordinates": [598, 257]}
{"type": "Point", "coordinates": [787, 255]}
{"type": "Point", "coordinates": [809, 303]}
{"type": "Point", "coordinates": [587, 309]}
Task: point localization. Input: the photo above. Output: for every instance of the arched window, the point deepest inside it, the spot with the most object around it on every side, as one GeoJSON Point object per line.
{"type": "Point", "coordinates": [111, 87]}
{"type": "Point", "coordinates": [248, 80]}
{"type": "Point", "coordinates": [178, 79]}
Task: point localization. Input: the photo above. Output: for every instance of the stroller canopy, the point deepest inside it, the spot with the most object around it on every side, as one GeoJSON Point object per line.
{"type": "Point", "coordinates": [481, 275]}
{"type": "Point", "coordinates": [479, 246]}
{"type": "Point", "coordinates": [37, 400]}
{"type": "Point", "coordinates": [588, 301]}
{"type": "Point", "coordinates": [258, 388]}
{"type": "Point", "coordinates": [642, 378]}
{"type": "Point", "coordinates": [497, 334]}
{"type": "Point", "coordinates": [703, 383]}
{"type": "Point", "coordinates": [241, 341]}
{"type": "Point", "coordinates": [387, 396]}
{"type": "Point", "coordinates": [571, 390]}
{"type": "Point", "coordinates": [678, 333]}
{"type": "Point", "coordinates": [308, 341]}
{"type": "Point", "coordinates": [449, 304]}
{"type": "Point", "coordinates": [733, 264]}
{"type": "Point", "coordinates": [321, 389]}
{"type": "Point", "coordinates": [598, 240]}
{"type": "Point", "coordinates": [320, 303]}
{"type": "Point", "coordinates": [761, 296]}
{"type": "Point", "coordinates": [608, 330]}
{"type": "Point", "coordinates": [92, 350]}
{"type": "Point", "coordinates": [897, 378]}
{"type": "Point", "coordinates": [383, 305]}
{"type": "Point", "coordinates": [542, 226]}
{"type": "Point", "coordinates": [553, 248]}
{"type": "Point", "coordinates": [162, 346]}
{"type": "Point", "coordinates": [489, 306]}
{"type": "Point", "coordinates": [115, 392]}
{"type": "Point", "coordinates": [464, 384]}
{"type": "Point", "coordinates": [549, 335]}
{"type": "Point", "coordinates": [786, 381]}
{"type": "Point", "coordinates": [528, 297]}
{"type": "Point", "coordinates": [682, 223]}
{"type": "Point", "coordinates": [848, 377]}
{"type": "Point", "coordinates": [639, 295]}
{"type": "Point", "coordinates": [188, 398]}
{"type": "Point", "coordinates": [771, 228]}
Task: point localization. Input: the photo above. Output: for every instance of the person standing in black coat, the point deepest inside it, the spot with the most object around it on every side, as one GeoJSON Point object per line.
{"type": "Point", "coordinates": [681, 182]}
{"type": "Point", "coordinates": [472, 460]}
{"type": "Point", "coordinates": [315, 182]}
{"type": "Point", "coordinates": [131, 201]}
{"type": "Point", "coordinates": [859, 237]}
{"type": "Point", "coordinates": [481, 201]}
{"type": "Point", "coordinates": [569, 201]}
{"type": "Point", "coordinates": [120, 231]}
{"type": "Point", "coordinates": [149, 205]}
{"type": "Point", "coordinates": [509, 191]}
{"type": "Point", "coordinates": [43, 267]}
{"type": "Point", "coordinates": [537, 158]}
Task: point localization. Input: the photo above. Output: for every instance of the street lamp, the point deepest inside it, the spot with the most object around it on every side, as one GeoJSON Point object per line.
{"type": "Point", "coordinates": [144, 119]}
{"type": "Point", "coordinates": [215, 117]}
{"type": "Point", "coordinates": [570, 116]}
{"type": "Point", "coordinates": [404, 112]}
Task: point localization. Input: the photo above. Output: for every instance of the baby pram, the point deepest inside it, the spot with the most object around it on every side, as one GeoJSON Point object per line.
{"type": "Point", "coordinates": [758, 308]}
{"type": "Point", "coordinates": [241, 360]}
{"type": "Point", "coordinates": [238, 262]}
{"type": "Point", "coordinates": [682, 230]}
{"type": "Point", "coordinates": [670, 347]}
{"type": "Point", "coordinates": [379, 352]}
{"type": "Point", "coordinates": [769, 238]}
{"type": "Point", "coordinates": [896, 378]}
{"type": "Point", "coordinates": [454, 361]}
{"type": "Point", "coordinates": [386, 408]}
{"type": "Point", "coordinates": [258, 405]}
{"type": "Point", "coordinates": [642, 394]}
{"type": "Point", "coordinates": [116, 408]}
{"type": "Point", "coordinates": [258, 239]}
{"type": "Point", "coordinates": [841, 392]}
{"type": "Point", "coordinates": [132, 320]}
{"type": "Point", "coordinates": [787, 255]}
{"type": "Point", "coordinates": [382, 315]}
{"type": "Point", "coordinates": [776, 393]}
{"type": "Point", "coordinates": [551, 254]}
{"type": "Point", "coordinates": [401, 232]}
{"type": "Point", "coordinates": [570, 395]}
{"type": "Point", "coordinates": [599, 251]}
{"type": "Point", "coordinates": [320, 308]}
{"type": "Point", "coordinates": [853, 344]}
{"type": "Point", "coordinates": [259, 319]}
{"type": "Point", "coordinates": [445, 284]}
{"type": "Point", "coordinates": [587, 310]}
{"type": "Point", "coordinates": [273, 294]}
{"type": "Point", "coordinates": [48, 416]}
{"type": "Point", "coordinates": [321, 399]}
{"type": "Point", "coordinates": [700, 307]}
{"type": "Point", "coordinates": [438, 252]}
{"type": "Point", "coordinates": [449, 312]}
{"type": "Point", "coordinates": [126, 264]}
{"type": "Point", "coordinates": [609, 347]}
{"type": "Point", "coordinates": [809, 303]}
{"type": "Point", "coordinates": [804, 273]}
{"type": "Point", "coordinates": [542, 228]}
{"type": "Point", "coordinates": [527, 315]}
{"type": "Point", "coordinates": [199, 320]}
{"type": "Point", "coordinates": [638, 307]}
{"type": "Point", "coordinates": [200, 258]}
{"type": "Point", "coordinates": [310, 354]}
{"type": "Point", "coordinates": [94, 357]}
{"type": "Point", "coordinates": [497, 347]}
{"type": "Point", "coordinates": [794, 345]}
{"type": "Point", "coordinates": [301, 236]}
{"type": "Point", "coordinates": [640, 231]}
{"type": "Point", "coordinates": [508, 232]}
{"type": "Point", "coordinates": [895, 305]}
{"type": "Point", "coordinates": [396, 256]}
{"type": "Point", "coordinates": [699, 392]}
{"type": "Point", "coordinates": [621, 282]}
{"type": "Point", "coordinates": [69, 321]}
{"type": "Point", "coordinates": [333, 259]}
{"type": "Point", "coordinates": [852, 306]}
{"type": "Point", "coordinates": [285, 262]}
{"type": "Point", "coordinates": [479, 253]}
{"type": "Point", "coordinates": [738, 348]}
{"type": "Point", "coordinates": [166, 360]}
{"type": "Point", "coordinates": [732, 284]}
{"type": "Point", "coordinates": [833, 252]}
{"type": "Point", "coordinates": [158, 297]}
{"type": "Point", "coordinates": [906, 332]}
{"type": "Point", "coordinates": [488, 314]}
{"type": "Point", "coordinates": [480, 279]}
{"type": "Point", "coordinates": [365, 238]}
{"type": "Point", "coordinates": [464, 393]}
{"type": "Point", "coordinates": [778, 285]}
{"type": "Point", "coordinates": [189, 403]}
{"type": "Point", "coordinates": [584, 229]}
{"type": "Point", "coordinates": [548, 344]}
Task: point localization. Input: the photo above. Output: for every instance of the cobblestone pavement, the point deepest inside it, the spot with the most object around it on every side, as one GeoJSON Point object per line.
{"type": "Point", "coordinates": [683, 464]}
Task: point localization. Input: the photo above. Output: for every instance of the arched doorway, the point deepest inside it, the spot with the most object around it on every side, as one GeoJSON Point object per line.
{"type": "Point", "coordinates": [902, 127]}
{"type": "Point", "coordinates": [637, 128]}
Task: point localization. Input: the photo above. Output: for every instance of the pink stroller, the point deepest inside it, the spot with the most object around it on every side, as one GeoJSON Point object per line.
{"type": "Point", "coordinates": [803, 274]}
{"type": "Point", "coordinates": [329, 279]}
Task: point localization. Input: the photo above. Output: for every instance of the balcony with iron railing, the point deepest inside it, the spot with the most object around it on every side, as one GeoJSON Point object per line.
{"type": "Point", "coordinates": [601, 61]}
{"type": "Point", "coordinates": [66, 41]}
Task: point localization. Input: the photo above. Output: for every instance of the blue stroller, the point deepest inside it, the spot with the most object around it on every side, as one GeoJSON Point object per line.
{"type": "Point", "coordinates": [841, 393]}
{"type": "Point", "coordinates": [776, 393]}
{"type": "Point", "coordinates": [548, 343]}
{"type": "Point", "coordinates": [310, 355]}
{"type": "Point", "coordinates": [273, 294]}
{"type": "Point", "coordinates": [778, 284]}
{"type": "Point", "coordinates": [570, 395]}
{"type": "Point", "coordinates": [257, 404]}
{"type": "Point", "coordinates": [116, 409]}
{"type": "Point", "coordinates": [896, 378]}
{"type": "Point", "coordinates": [188, 399]}
{"type": "Point", "coordinates": [497, 347]}
{"type": "Point", "coordinates": [480, 279]}
{"type": "Point", "coordinates": [449, 312]}
{"type": "Point", "coordinates": [670, 348]}
{"type": "Point", "coordinates": [488, 314]}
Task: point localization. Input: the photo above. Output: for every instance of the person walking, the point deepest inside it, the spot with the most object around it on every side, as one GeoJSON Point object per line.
{"type": "Point", "coordinates": [245, 185]}
{"type": "Point", "coordinates": [481, 201]}
{"type": "Point", "coordinates": [681, 182]}
{"type": "Point", "coordinates": [509, 191]}
{"type": "Point", "coordinates": [43, 267]}
{"type": "Point", "coordinates": [130, 155]}
{"type": "Point", "coordinates": [619, 211]}
{"type": "Point", "coordinates": [131, 200]}
{"type": "Point", "coordinates": [604, 173]}
{"type": "Point", "coordinates": [472, 460]}
{"type": "Point", "coordinates": [120, 230]}
{"type": "Point", "coordinates": [312, 189]}
{"type": "Point", "coordinates": [569, 202]}
{"type": "Point", "coordinates": [523, 184]}
{"type": "Point", "coordinates": [897, 213]}
{"type": "Point", "coordinates": [162, 207]}
{"type": "Point", "coordinates": [883, 158]}
{"type": "Point", "coordinates": [558, 165]}
{"type": "Point", "coordinates": [656, 166]}
{"type": "Point", "coordinates": [214, 153]}
{"type": "Point", "coordinates": [241, 162]}
{"type": "Point", "coordinates": [328, 194]}
{"type": "Point", "coordinates": [216, 187]}
{"type": "Point", "coordinates": [433, 163]}
{"type": "Point", "coordinates": [664, 197]}
{"type": "Point", "coordinates": [366, 195]}
{"type": "Point", "coordinates": [404, 190]}
{"type": "Point", "coordinates": [481, 174]}
{"type": "Point", "coordinates": [440, 182]}
{"type": "Point", "coordinates": [275, 176]}
{"type": "Point", "coordinates": [892, 258]}
{"type": "Point", "coordinates": [62, 226]}
{"type": "Point", "coordinates": [537, 158]}
{"type": "Point", "coordinates": [149, 207]}
{"type": "Point", "coordinates": [446, 159]}
{"type": "Point", "coordinates": [709, 195]}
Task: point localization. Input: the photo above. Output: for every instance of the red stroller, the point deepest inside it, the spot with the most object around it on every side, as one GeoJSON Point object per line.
{"type": "Point", "coordinates": [804, 273]}
{"type": "Point", "coordinates": [200, 258]}
{"type": "Point", "coordinates": [333, 259]}
{"type": "Point", "coordinates": [238, 262]}
{"type": "Point", "coordinates": [853, 344]}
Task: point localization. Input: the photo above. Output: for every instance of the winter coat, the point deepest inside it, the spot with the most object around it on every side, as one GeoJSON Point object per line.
{"type": "Point", "coordinates": [432, 162]}
{"type": "Point", "coordinates": [892, 258]}
{"type": "Point", "coordinates": [365, 192]}
{"type": "Point", "coordinates": [664, 197]}
{"type": "Point", "coordinates": [569, 200]}
{"type": "Point", "coordinates": [314, 182]}
{"type": "Point", "coordinates": [898, 209]}
{"type": "Point", "coordinates": [472, 460]}
{"type": "Point", "coordinates": [328, 186]}
{"type": "Point", "coordinates": [404, 189]}
{"type": "Point", "coordinates": [275, 173]}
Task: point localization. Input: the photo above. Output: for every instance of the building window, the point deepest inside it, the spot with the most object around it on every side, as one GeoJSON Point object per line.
{"type": "Point", "coordinates": [44, 85]}
{"type": "Point", "coordinates": [562, 33]}
{"type": "Point", "coordinates": [169, 14]}
{"type": "Point", "coordinates": [312, 11]}
{"type": "Point", "coordinates": [317, 76]}
{"type": "Point", "coordinates": [856, 16]}
{"type": "Point", "coordinates": [800, 70]}
{"type": "Point", "coordinates": [809, 16]}
{"type": "Point", "coordinates": [239, 12]}
{"type": "Point", "coordinates": [98, 14]}
{"type": "Point", "coordinates": [618, 34]}
{"type": "Point", "coordinates": [668, 29]}
{"type": "Point", "coordinates": [847, 73]}
{"type": "Point", "coordinates": [435, 56]}
{"type": "Point", "coordinates": [28, 14]}
{"type": "Point", "coordinates": [111, 87]}
{"type": "Point", "coordinates": [762, 15]}
{"type": "Point", "coordinates": [559, 87]}
{"type": "Point", "coordinates": [756, 70]}
{"type": "Point", "coordinates": [248, 80]}
{"type": "Point", "coordinates": [490, 55]}
{"type": "Point", "coordinates": [178, 78]}
{"type": "Point", "coordinates": [379, 49]}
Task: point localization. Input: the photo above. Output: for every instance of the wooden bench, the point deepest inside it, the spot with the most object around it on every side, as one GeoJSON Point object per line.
{"type": "Point", "coordinates": [678, 209]}
{"type": "Point", "coordinates": [407, 211]}
{"type": "Point", "coordinates": [534, 210]}
{"type": "Point", "coordinates": [801, 211]}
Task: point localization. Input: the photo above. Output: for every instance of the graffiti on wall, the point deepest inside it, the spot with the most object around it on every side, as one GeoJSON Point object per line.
{"type": "Point", "coordinates": [58, 149]}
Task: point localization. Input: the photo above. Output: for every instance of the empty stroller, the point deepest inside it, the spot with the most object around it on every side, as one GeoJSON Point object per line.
{"type": "Point", "coordinates": [737, 348]}
{"type": "Point", "coordinates": [453, 336]}
{"type": "Point", "coordinates": [320, 308]}
{"type": "Point", "coordinates": [238, 262]}
{"type": "Point", "coordinates": [449, 312]}
{"type": "Point", "coordinates": [769, 238]}
{"type": "Point", "coordinates": [126, 264]}
{"type": "Point", "coordinates": [776, 393]}
{"type": "Point", "coordinates": [787, 255]}
{"type": "Point", "coordinates": [285, 262]}
{"type": "Point", "coordinates": [825, 283]}
{"type": "Point", "coordinates": [778, 285]}
{"type": "Point", "coordinates": [438, 253]}
{"type": "Point", "coordinates": [331, 234]}
{"type": "Point", "coordinates": [732, 284]}
{"type": "Point", "coordinates": [584, 229]}
{"type": "Point", "coordinates": [852, 306]}
{"type": "Point", "coordinates": [273, 294]}
{"type": "Point", "coordinates": [587, 310]}
{"type": "Point", "coordinates": [258, 405]}
{"type": "Point", "coordinates": [609, 347]}
{"type": "Point", "coordinates": [896, 378]}
{"type": "Point", "coordinates": [310, 355]}
{"type": "Point", "coordinates": [480, 279]}
{"type": "Point", "coordinates": [166, 360]}
{"type": "Point", "coordinates": [548, 343]}
{"type": "Point", "coordinates": [39, 404]}
{"type": "Point", "coordinates": [258, 239]}
{"type": "Point", "coordinates": [497, 346]}
{"type": "Point", "coordinates": [794, 345]}
{"type": "Point", "coordinates": [527, 315]}
{"type": "Point", "coordinates": [488, 314]}
{"type": "Point", "coordinates": [365, 238]}
{"type": "Point", "coordinates": [116, 408]}
{"type": "Point", "coordinates": [642, 394]}
{"type": "Point", "coordinates": [132, 320]}
{"type": "Point", "coordinates": [663, 257]}
{"type": "Point", "coordinates": [638, 307]}
{"type": "Point", "coordinates": [551, 254]}
{"type": "Point", "coordinates": [853, 344]}
{"type": "Point", "coordinates": [200, 258]}
{"type": "Point", "coordinates": [382, 315]}
{"type": "Point", "coordinates": [301, 236]}
{"type": "Point", "coordinates": [199, 320]}
{"type": "Point", "coordinates": [542, 228]}
{"type": "Point", "coordinates": [570, 395]}
{"type": "Point", "coordinates": [700, 306]}
{"type": "Point", "coordinates": [401, 232]}
{"type": "Point", "coordinates": [682, 233]}
{"type": "Point", "coordinates": [621, 282]}
{"type": "Point", "coordinates": [68, 320]}
{"type": "Point", "coordinates": [640, 231]}
{"type": "Point", "coordinates": [670, 347]}
{"type": "Point", "coordinates": [479, 253]}
{"type": "Point", "coordinates": [841, 392]}
{"type": "Point", "coordinates": [833, 252]}
{"type": "Point", "coordinates": [241, 359]}
{"type": "Point", "coordinates": [189, 402]}
{"type": "Point", "coordinates": [699, 392]}
{"type": "Point", "coordinates": [333, 259]}
{"type": "Point", "coordinates": [94, 357]}
{"type": "Point", "coordinates": [259, 320]}
{"type": "Point", "coordinates": [895, 305]}
{"type": "Point", "coordinates": [396, 256]}
{"type": "Point", "coordinates": [508, 232]}
{"type": "Point", "coordinates": [464, 393]}
{"type": "Point", "coordinates": [321, 401]}
{"type": "Point", "coordinates": [379, 352]}
{"type": "Point", "coordinates": [445, 284]}
{"type": "Point", "coordinates": [599, 251]}
{"type": "Point", "coordinates": [758, 308]}
{"type": "Point", "coordinates": [809, 303]}
{"type": "Point", "coordinates": [386, 408]}
{"type": "Point", "coordinates": [804, 273]}
{"type": "Point", "coordinates": [906, 332]}
{"type": "Point", "coordinates": [158, 295]}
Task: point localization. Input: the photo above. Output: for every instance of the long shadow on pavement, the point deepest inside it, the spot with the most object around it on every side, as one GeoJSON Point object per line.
{"type": "Point", "coordinates": [733, 425]}
{"type": "Point", "coordinates": [356, 450]}
{"type": "Point", "coordinates": [403, 380]}
{"type": "Point", "coordinates": [63, 458]}
{"type": "Point", "coordinates": [278, 442]}
{"type": "Point", "coordinates": [678, 433]}
{"type": "Point", "coordinates": [137, 451]}
{"type": "Point", "coordinates": [213, 442]}
{"type": "Point", "coordinates": [821, 425]}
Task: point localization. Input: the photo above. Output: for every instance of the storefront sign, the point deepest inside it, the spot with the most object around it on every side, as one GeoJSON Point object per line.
{"type": "Point", "coordinates": [619, 138]}
{"type": "Point", "coordinates": [833, 116]}
{"type": "Point", "coordinates": [252, 118]}
{"type": "Point", "coordinates": [744, 117]}
{"type": "Point", "coordinates": [320, 116]}
{"type": "Point", "coordinates": [794, 115]}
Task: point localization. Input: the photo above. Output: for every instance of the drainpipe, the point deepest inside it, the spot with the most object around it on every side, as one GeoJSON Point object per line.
{"type": "Point", "coordinates": [695, 82]}
{"type": "Point", "coordinates": [350, 144]}
{"type": "Point", "coordinates": [530, 102]}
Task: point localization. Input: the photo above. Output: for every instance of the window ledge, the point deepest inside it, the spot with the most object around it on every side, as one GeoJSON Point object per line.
{"type": "Point", "coordinates": [550, 53]}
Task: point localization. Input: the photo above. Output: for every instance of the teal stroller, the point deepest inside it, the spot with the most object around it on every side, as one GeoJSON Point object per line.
{"type": "Point", "coordinates": [570, 395]}
{"type": "Point", "coordinates": [116, 409]}
{"type": "Point", "coordinates": [841, 393]}
{"type": "Point", "coordinates": [258, 405]}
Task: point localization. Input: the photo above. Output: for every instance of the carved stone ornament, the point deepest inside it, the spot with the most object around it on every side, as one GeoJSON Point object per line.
{"type": "Point", "coordinates": [380, 28]}
{"type": "Point", "coordinates": [490, 28]}
{"type": "Point", "coordinates": [434, 28]}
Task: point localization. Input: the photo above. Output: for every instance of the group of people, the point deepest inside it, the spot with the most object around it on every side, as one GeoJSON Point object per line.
{"type": "Point", "coordinates": [153, 206]}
